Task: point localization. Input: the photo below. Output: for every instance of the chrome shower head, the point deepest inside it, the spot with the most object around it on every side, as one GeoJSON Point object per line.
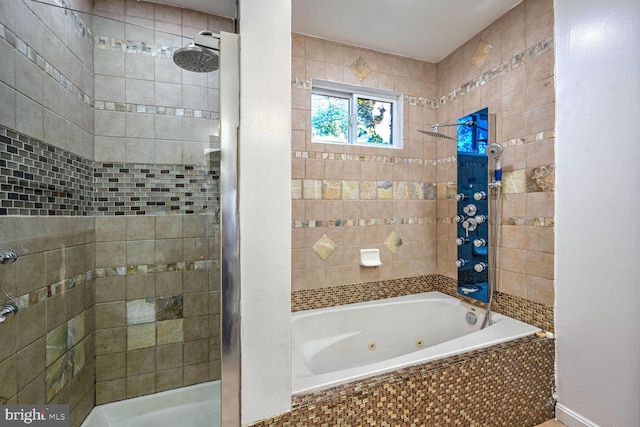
{"type": "Point", "coordinates": [201, 56]}
{"type": "Point", "coordinates": [436, 134]}
{"type": "Point", "coordinates": [438, 125]}
{"type": "Point", "coordinates": [494, 150]}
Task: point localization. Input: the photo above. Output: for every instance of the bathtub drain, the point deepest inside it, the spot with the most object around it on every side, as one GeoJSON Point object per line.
{"type": "Point", "coordinates": [419, 342]}
{"type": "Point", "coordinates": [372, 345]}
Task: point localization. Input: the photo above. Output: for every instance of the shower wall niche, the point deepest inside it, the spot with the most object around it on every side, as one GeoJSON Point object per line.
{"type": "Point", "coordinates": [473, 206]}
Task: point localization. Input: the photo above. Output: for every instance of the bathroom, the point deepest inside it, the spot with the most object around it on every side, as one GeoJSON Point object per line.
{"type": "Point", "coordinates": [547, 261]}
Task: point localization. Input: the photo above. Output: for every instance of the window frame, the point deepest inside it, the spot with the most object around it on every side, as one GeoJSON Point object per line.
{"type": "Point", "coordinates": [353, 92]}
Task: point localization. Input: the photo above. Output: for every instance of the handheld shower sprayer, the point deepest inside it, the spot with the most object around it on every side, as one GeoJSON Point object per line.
{"type": "Point", "coordinates": [494, 151]}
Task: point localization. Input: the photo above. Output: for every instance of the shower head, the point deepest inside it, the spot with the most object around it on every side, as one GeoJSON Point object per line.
{"type": "Point", "coordinates": [436, 134]}
{"type": "Point", "coordinates": [494, 150]}
{"type": "Point", "coordinates": [201, 56]}
{"type": "Point", "coordinates": [438, 125]}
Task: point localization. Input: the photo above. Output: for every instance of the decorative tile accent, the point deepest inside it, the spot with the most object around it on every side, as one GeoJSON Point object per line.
{"type": "Point", "coordinates": [360, 68]}
{"type": "Point", "coordinates": [324, 247]}
{"type": "Point", "coordinates": [542, 178]}
{"type": "Point", "coordinates": [169, 307]}
{"type": "Point", "coordinates": [483, 49]}
{"type": "Point", "coordinates": [514, 182]}
{"type": "Point", "coordinates": [141, 336]}
{"type": "Point", "coordinates": [533, 313]}
{"type": "Point", "coordinates": [155, 110]}
{"type": "Point", "coordinates": [170, 331]}
{"type": "Point", "coordinates": [308, 299]}
{"type": "Point", "coordinates": [393, 242]}
{"type": "Point", "coordinates": [501, 392]}
{"type": "Point", "coordinates": [360, 222]}
{"type": "Point", "coordinates": [139, 189]}
{"type": "Point", "coordinates": [39, 179]}
{"type": "Point", "coordinates": [57, 375]}
{"type": "Point", "coordinates": [141, 311]}
{"type": "Point", "coordinates": [56, 342]}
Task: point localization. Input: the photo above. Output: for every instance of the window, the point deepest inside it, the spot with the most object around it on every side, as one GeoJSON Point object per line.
{"type": "Point", "coordinates": [346, 114]}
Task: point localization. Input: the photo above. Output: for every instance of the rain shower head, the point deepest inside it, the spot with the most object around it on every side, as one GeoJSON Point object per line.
{"type": "Point", "coordinates": [201, 56]}
{"type": "Point", "coordinates": [436, 134]}
{"type": "Point", "coordinates": [494, 150]}
{"type": "Point", "coordinates": [438, 125]}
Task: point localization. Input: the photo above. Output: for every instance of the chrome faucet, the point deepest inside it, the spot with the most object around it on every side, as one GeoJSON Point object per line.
{"type": "Point", "coordinates": [7, 310]}
{"type": "Point", "coordinates": [7, 257]}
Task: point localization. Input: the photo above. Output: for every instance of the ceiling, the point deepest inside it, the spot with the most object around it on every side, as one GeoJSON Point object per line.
{"type": "Point", "coordinates": [428, 30]}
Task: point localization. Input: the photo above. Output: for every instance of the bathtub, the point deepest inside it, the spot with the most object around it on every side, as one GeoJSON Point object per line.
{"type": "Point", "coordinates": [193, 406]}
{"type": "Point", "coordinates": [336, 345]}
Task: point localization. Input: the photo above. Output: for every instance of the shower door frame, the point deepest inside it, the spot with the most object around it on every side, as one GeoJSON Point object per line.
{"type": "Point", "coordinates": [229, 238]}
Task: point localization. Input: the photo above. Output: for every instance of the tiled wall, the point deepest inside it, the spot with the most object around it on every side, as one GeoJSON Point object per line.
{"type": "Point", "coordinates": [508, 67]}
{"type": "Point", "coordinates": [46, 124]}
{"type": "Point", "coordinates": [96, 120]}
{"type": "Point", "coordinates": [347, 198]}
{"type": "Point", "coordinates": [157, 285]}
{"type": "Point", "coordinates": [516, 83]}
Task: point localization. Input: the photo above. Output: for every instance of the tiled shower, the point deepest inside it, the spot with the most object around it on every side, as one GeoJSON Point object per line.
{"type": "Point", "coordinates": [110, 200]}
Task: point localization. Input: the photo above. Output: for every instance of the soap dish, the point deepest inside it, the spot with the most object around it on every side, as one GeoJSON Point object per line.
{"type": "Point", "coordinates": [370, 257]}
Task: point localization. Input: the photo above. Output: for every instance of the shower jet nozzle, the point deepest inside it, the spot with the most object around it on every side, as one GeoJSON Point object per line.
{"type": "Point", "coordinates": [201, 56]}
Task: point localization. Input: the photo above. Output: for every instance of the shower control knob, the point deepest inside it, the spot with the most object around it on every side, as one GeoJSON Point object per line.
{"type": "Point", "coordinates": [469, 224]}
{"type": "Point", "coordinates": [461, 262]}
{"type": "Point", "coordinates": [458, 218]}
{"type": "Point", "coordinates": [479, 243]}
{"type": "Point", "coordinates": [470, 209]}
{"type": "Point", "coordinates": [460, 196]}
{"type": "Point", "coordinates": [480, 218]}
{"type": "Point", "coordinates": [462, 241]}
{"type": "Point", "coordinates": [480, 267]}
{"type": "Point", "coordinates": [480, 195]}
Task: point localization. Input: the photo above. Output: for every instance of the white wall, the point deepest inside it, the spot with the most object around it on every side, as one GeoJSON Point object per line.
{"type": "Point", "coordinates": [265, 207]}
{"type": "Point", "coordinates": [598, 190]}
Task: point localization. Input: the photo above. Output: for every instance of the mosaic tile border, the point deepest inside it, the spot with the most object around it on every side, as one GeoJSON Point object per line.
{"type": "Point", "coordinates": [323, 155]}
{"type": "Point", "coordinates": [359, 222]}
{"type": "Point", "coordinates": [482, 387]}
{"type": "Point", "coordinates": [536, 314]}
{"type": "Point", "coordinates": [140, 189]}
{"type": "Point", "coordinates": [40, 179]}
{"type": "Point", "coordinates": [155, 110]}
{"type": "Point", "coordinates": [500, 69]}
{"type": "Point", "coordinates": [308, 299]}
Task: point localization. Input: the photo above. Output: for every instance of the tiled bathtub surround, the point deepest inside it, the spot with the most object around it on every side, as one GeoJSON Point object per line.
{"type": "Point", "coordinates": [530, 312]}
{"type": "Point", "coordinates": [479, 388]}
{"type": "Point", "coordinates": [335, 189]}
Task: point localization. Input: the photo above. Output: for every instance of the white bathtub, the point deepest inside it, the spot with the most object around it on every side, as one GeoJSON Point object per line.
{"type": "Point", "coordinates": [336, 345]}
{"type": "Point", "coordinates": [193, 406]}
